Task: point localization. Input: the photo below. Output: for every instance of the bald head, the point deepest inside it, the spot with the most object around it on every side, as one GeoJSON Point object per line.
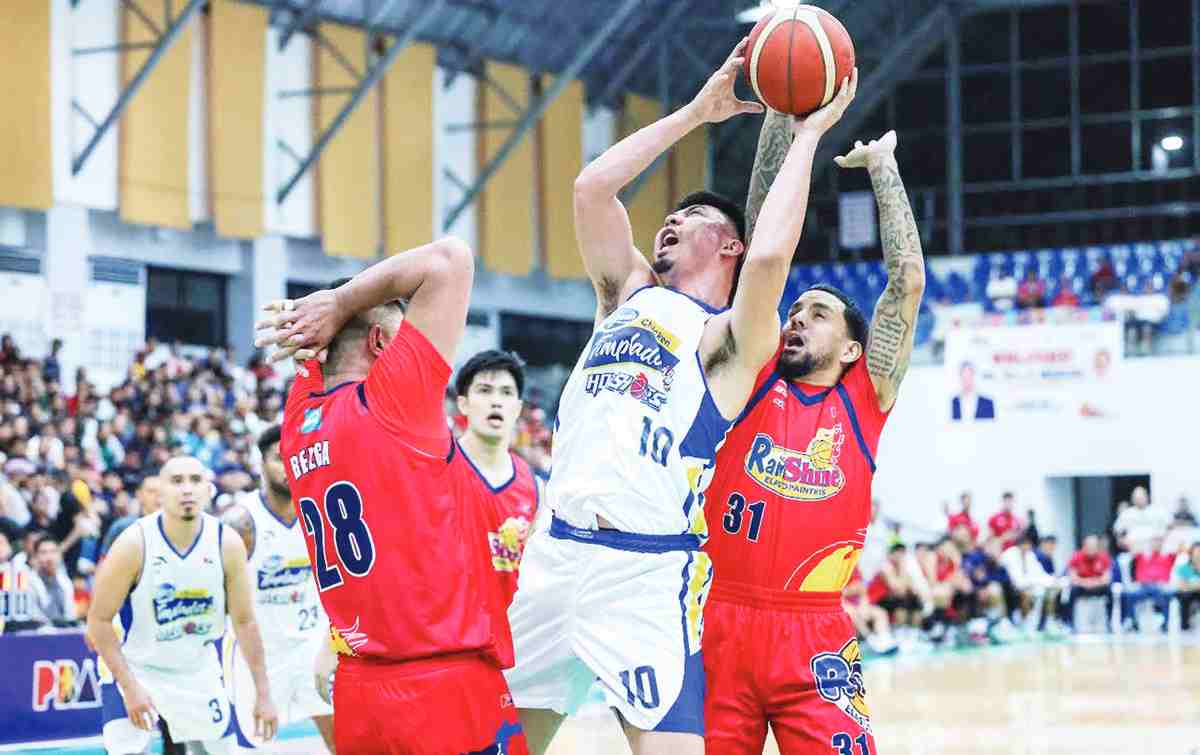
{"type": "Point", "coordinates": [186, 488]}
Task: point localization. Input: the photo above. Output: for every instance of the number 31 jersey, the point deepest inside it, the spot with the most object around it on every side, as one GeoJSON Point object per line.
{"type": "Point", "coordinates": [637, 429]}
{"type": "Point", "coordinates": [790, 503]}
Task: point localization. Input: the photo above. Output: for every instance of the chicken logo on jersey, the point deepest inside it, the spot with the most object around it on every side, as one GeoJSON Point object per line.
{"type": "Point", "coordinates": [626, 338]}
{"type": "Point", "coordinates": [508, 543]}
{"type": "Point", "coordinates": [809, 475]}
{"type": "Point", "coordinates": [346, 640]}
{"type": "Point", "coordinates": [839, 680]}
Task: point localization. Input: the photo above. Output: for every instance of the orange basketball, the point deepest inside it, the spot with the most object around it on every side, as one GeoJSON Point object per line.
{"type": "Point", "coordinates": [797, 57]}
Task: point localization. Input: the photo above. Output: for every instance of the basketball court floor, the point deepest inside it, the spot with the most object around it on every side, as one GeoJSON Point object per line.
{"type": "Point", "coordinates": [1090, 696]}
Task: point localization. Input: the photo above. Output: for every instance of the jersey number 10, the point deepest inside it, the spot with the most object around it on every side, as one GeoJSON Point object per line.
{"type": "Point", "coordinates": [352, 543]}
{"type": "Point", "coordinates": [656, 443]}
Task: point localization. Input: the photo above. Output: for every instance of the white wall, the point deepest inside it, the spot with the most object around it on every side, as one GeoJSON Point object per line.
{"type": "Point", "coordinates": [924, 459]}
{"type": "Point", "coordinates": [289, 120]}
{"type": "Point", "coordinates": [199, 201]}
{"type": "Point", "coordinates": [455, 151]}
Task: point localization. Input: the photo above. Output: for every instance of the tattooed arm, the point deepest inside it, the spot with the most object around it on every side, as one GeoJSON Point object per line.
{"type": "Point", "coordinates": [890, 343]}
{"type": "Point", "coordinates": [773, 142]}
{"type": "Point", "coordinates": [237, 518]}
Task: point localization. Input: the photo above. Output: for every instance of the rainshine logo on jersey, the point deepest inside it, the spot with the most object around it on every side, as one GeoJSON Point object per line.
{"type": "Point", "coordinates": [276, 573]}
{"type": "Point", "coordinates": [809, 475]}
{"type": "Point", "coordinates": [627, 338]}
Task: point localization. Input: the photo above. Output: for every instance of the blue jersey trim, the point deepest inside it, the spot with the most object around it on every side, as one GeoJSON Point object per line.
{"type": "Point", "coordinates": [762, 391]}
{"type": "Point", "coordinates": [182, 556]}
{"type": "Point", "coordinates": [683, 590]}
{"type": "Point", "coordinates": [624, 541]}
{"type": "Point", "coordinates": [262, 500]}
{"type": "Point", "coordinates": [702, 304]}
{"type": "Point", "coordinates": [862, 442]}
{"type": "Point", "coordinates": [686, 715]}
{"type": "Point", "coordinates": [809, 400]}
{"type": "Point", "coordinates": [362, 395]}
{"type": "Point", "coordinates": [495, 490]}
{"type": "Point", "coordinates": [126, 617]}
{"type": "Point", "coordinates": [338, 387]}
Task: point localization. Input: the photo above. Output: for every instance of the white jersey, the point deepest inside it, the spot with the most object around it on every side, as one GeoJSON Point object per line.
{"type": "Point", "coordinates": [177, 608]}
{"type": "Point", "coordinates": [285, 595]}
{"type": "Point", "coordinates": [637, 431]}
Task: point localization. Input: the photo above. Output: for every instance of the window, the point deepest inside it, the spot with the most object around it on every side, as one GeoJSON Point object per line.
{"type": "Point", "coordinates": [185, 306]}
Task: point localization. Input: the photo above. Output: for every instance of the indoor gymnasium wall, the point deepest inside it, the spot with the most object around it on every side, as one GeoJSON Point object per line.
{"type": "Point", "coordinates": [348, 171]}
{"type": "Point", "coordinates": [652, 202]}
{"type": "Point", "coordinates": [26, 176]}
{"type": "Point", "coordinates": [409, 153]}
{"type": "Point", "coordinates": [154, 151]}
{"type": "Point", "coordinates": [562, 160]}
{"type": "Point", "coordinates": [93, 82]}
{"type": "Point", "coordinates": [925, 459]}
{"type": "Point", "coordinates": [199, 124]}
{"type": "Point", "coordinates": [689, 164]}
{"type": "Point", "coordinates": [236, 65]}
{"type": "Point", "coordinates": [457, 152]}
{"type": "Point", "coordinates": [506, 211]}
{"type": "Point", "coordinates": [289, 121]}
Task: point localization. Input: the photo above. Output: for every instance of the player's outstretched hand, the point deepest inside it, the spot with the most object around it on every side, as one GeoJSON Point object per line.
{"type": "Point", "coordinates": [300, 329]}
{"type": "Point", "coordinates": [820, 121]}
{"type": "Point", "coordinates": [266, 720]}
{"type": "Point", "coordinates": [140, 708]}
{"type": "Point", "coordinates": [866, 155]}
{"type": "Point", "coordinates": [716, 101]}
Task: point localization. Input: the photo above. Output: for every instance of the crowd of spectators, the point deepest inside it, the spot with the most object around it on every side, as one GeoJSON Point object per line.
{"type": "Point", "coordinates": [1000, 579]}
{"type": "Point", "coordinates": [78, 466]}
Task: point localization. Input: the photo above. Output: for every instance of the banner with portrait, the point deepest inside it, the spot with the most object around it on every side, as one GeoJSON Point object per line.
{"type": "Point", "coordinates": [1043, 370]}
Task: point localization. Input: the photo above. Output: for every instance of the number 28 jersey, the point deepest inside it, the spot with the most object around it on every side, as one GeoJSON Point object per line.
{"type": "Point", "coordinates": [637, 429]}
{"type": "Point", "coordinates": [789, 506]}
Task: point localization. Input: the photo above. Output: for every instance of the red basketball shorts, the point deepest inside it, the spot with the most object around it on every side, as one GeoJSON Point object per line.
{"type": "Point", "coordinates": [452, 705]}
{"type": "Point", "coordinates": [784, 658]}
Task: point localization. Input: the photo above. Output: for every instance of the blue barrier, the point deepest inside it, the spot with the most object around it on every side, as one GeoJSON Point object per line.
{"type": "Point", "coordinates": [50, 689]}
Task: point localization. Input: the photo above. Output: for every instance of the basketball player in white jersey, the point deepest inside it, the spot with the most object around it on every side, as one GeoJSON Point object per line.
{"type": "Point", "coordinates": [158, 610]}
{"type": "Point", "coordinates": [614, 591]}
{"type": "Point", "coordinates": [285, 602]}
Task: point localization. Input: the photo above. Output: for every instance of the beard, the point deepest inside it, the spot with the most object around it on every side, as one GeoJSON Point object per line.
{"type": "Point", "coordinates": [188, 517]}
{"type": "Point", "coordinates": [803, 365]}
{"type": "Point", "coordinates": [280, 489]}
{"type": "Point", "coordinates": [662, 265]}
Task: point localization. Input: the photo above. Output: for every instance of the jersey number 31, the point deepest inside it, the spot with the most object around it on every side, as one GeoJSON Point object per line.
{"type": "Point", "coordinates": [352, 544]}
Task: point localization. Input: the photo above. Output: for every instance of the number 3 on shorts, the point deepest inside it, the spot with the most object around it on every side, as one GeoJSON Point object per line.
{"type": "Point", "coordinates": [645, 684]}
{"type": "Point", "coordinates": [214, 705]}
{"type": "Point", "coordinates": [843, 745]}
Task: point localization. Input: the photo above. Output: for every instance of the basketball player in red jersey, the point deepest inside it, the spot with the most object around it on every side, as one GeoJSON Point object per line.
{"type": "Point", "coordinates": [394, 527]}
{"type": "Point", "coordinates": [790, 503]}
{"type": "Point", "coordinates": [489, 387]}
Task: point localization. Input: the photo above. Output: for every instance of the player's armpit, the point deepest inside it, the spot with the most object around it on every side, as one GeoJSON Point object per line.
{"type": "Point", "coordinates": [893, 325]}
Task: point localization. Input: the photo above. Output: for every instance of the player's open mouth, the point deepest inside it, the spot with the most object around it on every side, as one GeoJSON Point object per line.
{"type": "Point", "coordinates": [667, 238]}
{"type": "Point", "coordinates": [794, 342]}
{"type": "Point", "coordinates": [495, 417]}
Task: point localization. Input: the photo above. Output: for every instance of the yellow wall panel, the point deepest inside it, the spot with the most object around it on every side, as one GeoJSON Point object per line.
{"type": "Point", "coordinates": [154, 127]}
{"type": "Point", "coordinates": [348, 170]}
{"type": "Point", "coordinates": [689, 160]}
{"type": "Point", "coordinates": [649, 208]}
{"type": "Point", "coordinates": [562, 159]}
{"type": "Point", "coordinates": [506, 205]}
{"type": "Point", "coordinates": [237, 67]}
{"type": "Point", "coordinates": [25, 169]}
{"type": "Point", "coordinates": [408, 149]}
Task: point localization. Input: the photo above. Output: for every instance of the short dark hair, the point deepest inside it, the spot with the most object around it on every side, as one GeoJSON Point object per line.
{"type": "Point", "coordinates": [269, 437]}
{"type": "Point", "coordinates": [897, 547]}
{"type": "Point", "coordinates": [357, 326]}
{"type": "Point", "coordinates": [1049, 539]}
{"type": "Point", "coordinates": [1006, 495]}
{"type": "Point", "coordinates": [736, 215]}
{"type": "Point", "coordinates": [856, 321]}
{"type": "Point", "coordinates": [44, 537]}
{"type": "Point", "coordinates": [491, 360]}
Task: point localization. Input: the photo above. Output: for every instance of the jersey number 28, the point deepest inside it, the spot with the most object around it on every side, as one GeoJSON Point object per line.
{"type": "Point", "coordinates": [352, 544]}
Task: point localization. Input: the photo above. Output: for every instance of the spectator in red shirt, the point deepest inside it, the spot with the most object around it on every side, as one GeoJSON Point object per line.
{"type": "Point", "coordinates": [1005, 524]}
{"type": "Point", "coordinates": [1090, 572]}
{"type": "Point", "coordinates": [1031, 294]}
{"type": "Point", "coordinates": [1152, 575]}
{"type": "Point", "coordinates": [892, 588]}
{"type": "Point", "coordinates": [1066, 296]}
{"type": "Point", "coordinates": [963, 517]}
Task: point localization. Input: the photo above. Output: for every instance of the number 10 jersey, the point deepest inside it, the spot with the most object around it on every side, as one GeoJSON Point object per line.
{"type": "Point", "coordinates": [637, 430]}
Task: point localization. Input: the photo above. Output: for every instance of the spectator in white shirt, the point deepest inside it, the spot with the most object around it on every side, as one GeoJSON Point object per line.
{"type": "Point", "coordinates": [1036, 587]}
{"type": "Point", "coordinates": [1141, 522]}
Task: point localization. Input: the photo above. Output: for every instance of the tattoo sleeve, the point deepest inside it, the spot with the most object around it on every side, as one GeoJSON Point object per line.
{"type": "Point", "coordinates": [890, 343]}
{"type": "Point", "coordinates": [238, 519]}
{"type": "Point", "coordinates": [773, 142]}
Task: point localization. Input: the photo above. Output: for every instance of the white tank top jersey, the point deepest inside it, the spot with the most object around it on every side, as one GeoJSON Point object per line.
{"type": "Point", "coordinates": [637, 430]}
{"type": "Point", "coordinates": [177, 607]}
{"type": "Point", "coordinates": [285, 595]}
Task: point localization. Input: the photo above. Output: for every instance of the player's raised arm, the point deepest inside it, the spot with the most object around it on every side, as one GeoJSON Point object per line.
{"type": "Point", "coordinates": [435, 280]}
{"type": "Point", "coordinates": [114, 579]}
{"type": "Point", "coordinates": [890, 342]}
{"type": "Point", "coordinates": [245, 628]}
{"type": "Point", "coordinates": [601, 221]}
{"type": "Point", "coordinates": [773, 141]}
{"type": "Point", "coordinates": [754, 323]}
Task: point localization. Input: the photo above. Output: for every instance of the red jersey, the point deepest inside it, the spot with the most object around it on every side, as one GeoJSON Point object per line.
{"type": "Point", "coordinates": [963, 518]}
{"type": "Point", "coordinates": [1006, 526]}
{"type": "Point", "coordinates": [1153, 568]}
{"type": "Point", "coordinates": [394, 528]}
{"type": "Point", "coordinates": [509, 512]}
{"type": "Point", "coordinates": [790, 501]}
{"type": "Point", "coordinates": [1090, 566]}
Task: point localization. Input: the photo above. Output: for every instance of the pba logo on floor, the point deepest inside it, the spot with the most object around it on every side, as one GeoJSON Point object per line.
{"type": "Point", "coordinates": [65, 685]}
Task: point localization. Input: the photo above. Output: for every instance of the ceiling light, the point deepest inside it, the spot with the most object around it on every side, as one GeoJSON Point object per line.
{"type": "Point", "coordinates": [755, 13]}
{"type": "Point", "coordinates": [1172, 143]}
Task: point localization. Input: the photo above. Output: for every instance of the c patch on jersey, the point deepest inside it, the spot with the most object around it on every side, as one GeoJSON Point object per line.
{"type": "Point", "coordinates": [627, 338]}
{"type": "Point", "coordinates": [809, 475]}
{"type": "Point", "coordinates": [839, 681]}
{"type": "Point", "coordinates": [312, 420]}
